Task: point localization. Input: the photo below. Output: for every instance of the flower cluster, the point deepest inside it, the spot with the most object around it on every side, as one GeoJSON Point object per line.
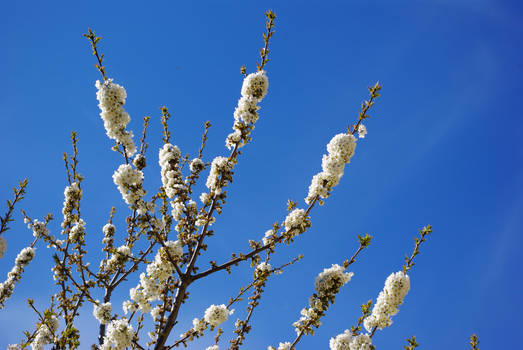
{"type": "Point", "coordinates": [118, 259]}
{"type": "Point", "coordinates": [119, 335]}
{"type": "Point", "coordinates": [44, 334]}
{"type": "Point", "coordinates": [39, 228]}
{"type": "Point", "coordinates": [108, 231]}
{"type": "Point", "coordinates": [396, 288]}
{"type": "Point", "coordinates": [327, 285]}
{"type": "Point", "coordinates": [262, 269]}
{"type": "Point", "coordinates": [3, 246]}
{"type": "Point", "coordinates": [102, 312]}
{"type": "Point", "coordinates": [296, 222]}
{"type": "Point", "coordinates": [330, 280]}
{"type": "Point", "coordinates": [111, 98]}
{"type": "Point", "coordinates": [72, 196]}
{"type": "Point", "coordinates": [345, 341]}
{"type": "Point", "coordinates": [213, 347]}
{"type": "Point", "coordinates": [340, 150]}
{"type": "Point", "coordinates": [196, 165]}
{"type": "Point", "coordinates": [220, 166]}
{"type": "Point", "coordinates": [129, 182]}
{"type": "Point", "coordinates": [281, 346]}
{"type": "Point", "coordinates": [149, 288]}
{"type": "Point", "coordinates": [215, 315]}
{"type": "Point", "coordinates": [77, 232]}
{"type": "Point", "coordinates": [254, 89]}
{"type": "Point", "coordinates": [172, 181]}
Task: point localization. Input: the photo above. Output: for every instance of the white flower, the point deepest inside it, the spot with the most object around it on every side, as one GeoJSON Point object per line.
{"type": "Point", "coordinates": [341, 341]}
{"type": "Point", "coordinates": [247, 109]}
{"type": "Point", "coordinates": [111, 98]}
{"type": "Point", "coordinates": [3, 246]}
{"type": "Point", "coordinates": [77, 232]}
{"type": "Point", "coordinates": [102, 312]}
{"type": "Point", "coordinates": [129, 182]}
{"type": "Point", "coordinates": [118, 259]}
{"type": "Point", "coordinates": [396, 288]}
{"type": "Point", "coordinates": [281, 346]}
{"type": "Point", "coordinates": [39, 228]}
{"type": "Point", "coordinates": [330, 280]}
{"type": "Point", "coordinates": [342, 145]}
{"type": "Point", "coordinates": [361, 342]}
{"type": "Point", "coordinates": [199, 325]}
{"type": "Point", "coordinates": [119, 334]}
{"type": "Point", "coordinates": [262, 269]}
{"type": "Point", "coordinates": [172, 181]}
{"type": "Point", "coordinates": [296, 220]}
{"type": "Point", "coordinates": [362, 131]}
{"type": "Point", "coordinates": [196, 165]}
{"type": "Point", "coordinates": [216, 314]}
{"type": "Point", "coordinates": [219, 167]}
{"type": "Point", "coordinates": [255, 85]}
{"type": "Point", "coordinates": [139, 161]}
{"type": "Point", "coordinates": [268, 237]}
{"type": "Point", "coordinates": [213, 347]}
{"type": "Point", "coordinates": [25, 256]}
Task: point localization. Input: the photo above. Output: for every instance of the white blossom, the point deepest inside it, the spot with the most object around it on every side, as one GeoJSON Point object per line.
{"type": "Point", "coordinates": [361, 342]}
{"type": "Point", "coordinates": [216, 314]}
{"type": "Point", "coordinates": [255, 85]}
{"type": "Point", "coordinates": [102, 312]}
{"type": "Point", "coordinates": [199, 325]}
{"type": "Point", "coordinates": [196, 165]}
{"type": "Point", "coordinates": [219, 166]}
{"type": "Point", "coordinates": [247, 110]}
{"type": "Point", "coordinates": [296, 220]}
{"type": "Point", "coordinates": [331, 279]}
{"type": "Point", "coordinates": [119, 334]}
{"type": "Point", "coordinates": [362, 131]}
{"type": "Point", "coordinates": [119, 258]}
{"type": "Point", "coordinates": [77, 232]}
{"type": "Point", "coordinates": [111, 98]}
{"type": "Point", "coordinates": [129, 182]}
{"type": "Point", "coordinates": [281, 346]}
{"type": "Point", "coordinates": [172, 181]}
{"type": "Point", "coordinates": [341, 341]}
{"type": "Point", "coordinates": [213, 347]}
{"type": "Point", "coordinates": [396, 288]}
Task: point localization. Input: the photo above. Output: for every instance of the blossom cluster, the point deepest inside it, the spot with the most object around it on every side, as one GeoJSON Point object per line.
{"type": "Point", "coordinates": [254, 89]}
{"type": "Point", "coordinates": [119, 335]}
{"type": "Point", "coordinates": [7, 287]}
{"type": "Point", "coordinates": [149, 288]}
{"type": "Point", "coordinates": [215, 315]}
{"type": "Point", "coordinates": [118, 259]}
{"type": "Point", "coordinates": [172, 181]}
{"type": "Point", "coordinates": [330, 280]}
{"type": "Point", "coordinates": [45, 333]}
{"type": "Point", "coordinates": [72, 196]}
{"type": "Point", "coordinates": [327, 285]}
{"type": "Point", "coordinates": [340, 150]}
{"type": "Point", "coordinates": [346, 341]}
{"type": "Point", "coordinates": [219, 166]}
{"type": "Point", "coordinates": [396, 288]}
{"type": "Point", "coordinates": [296, 222]}
{"type": "Point", "coordinates": [111, 98]}
{"type": "Point", "coordinates": [281, 346]}
{"type": "Point", "coordinates": [129, 182]}
{"type": "Point", "coordinates": [102, 312]}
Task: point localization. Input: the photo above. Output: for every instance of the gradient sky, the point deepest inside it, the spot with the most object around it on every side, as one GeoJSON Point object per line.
{"type": "Point", "coordinates": [442, 149]}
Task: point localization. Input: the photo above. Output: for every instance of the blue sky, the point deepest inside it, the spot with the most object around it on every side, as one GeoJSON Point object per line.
{"type": "Point", "coordinates": [442, 149]}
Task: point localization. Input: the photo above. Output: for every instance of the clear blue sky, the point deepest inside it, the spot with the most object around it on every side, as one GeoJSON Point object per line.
{"type": "Point", "coordinates": [443, 148]}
